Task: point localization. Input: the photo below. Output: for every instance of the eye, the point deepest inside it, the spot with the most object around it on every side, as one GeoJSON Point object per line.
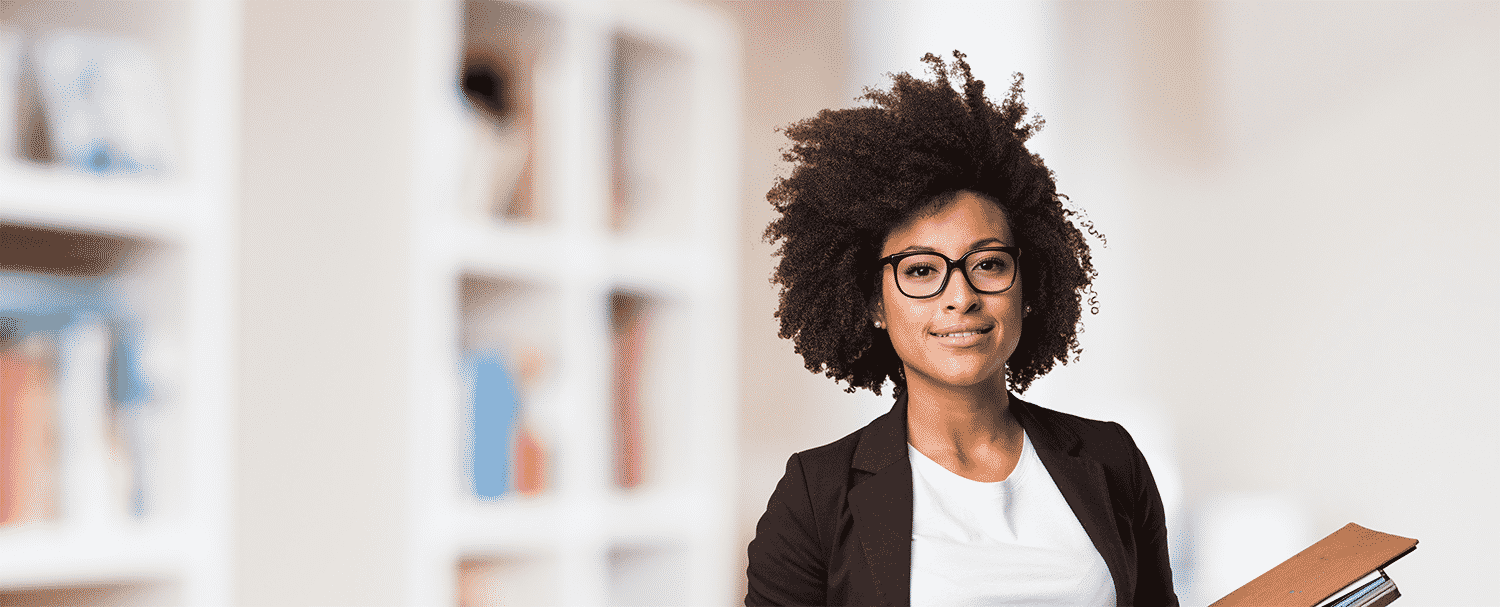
{"type": "Point", "coordinates": [993, 263]}
{"type": "Point", "coordinates": [920, 270]}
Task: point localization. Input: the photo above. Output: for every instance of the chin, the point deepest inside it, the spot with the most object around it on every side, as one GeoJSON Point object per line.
{"type": "Point", "coordinates": [969, 378]}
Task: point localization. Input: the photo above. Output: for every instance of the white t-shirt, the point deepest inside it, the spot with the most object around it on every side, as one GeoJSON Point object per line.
{"type": "Point", "coordinates": [1013, 542]}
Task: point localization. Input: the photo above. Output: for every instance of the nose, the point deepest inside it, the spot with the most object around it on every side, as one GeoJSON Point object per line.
{"type": "Point", "coordinates": [958, 294]}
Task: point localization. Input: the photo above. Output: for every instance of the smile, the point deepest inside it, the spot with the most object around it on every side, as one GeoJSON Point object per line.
{"type": "Point", "coordinates": [969, 333]}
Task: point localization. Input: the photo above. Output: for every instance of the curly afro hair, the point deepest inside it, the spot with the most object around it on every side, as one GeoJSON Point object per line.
{"type": "Point", "coordinates": [859, 173]}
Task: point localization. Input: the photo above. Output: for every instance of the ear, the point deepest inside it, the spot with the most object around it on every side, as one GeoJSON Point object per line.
{"type": "Point", "coordinates": [877, 309]}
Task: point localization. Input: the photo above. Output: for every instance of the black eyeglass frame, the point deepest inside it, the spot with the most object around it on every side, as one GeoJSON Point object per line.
{"type": "Point", "coordinates": [892, 260]}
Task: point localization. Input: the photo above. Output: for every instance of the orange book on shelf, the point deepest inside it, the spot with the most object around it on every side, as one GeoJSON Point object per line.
{"type": "Point", "coordinates": [1325, 570]}
{"type": "Point", "coordinates": [628, 323]}
{"type": "Point", "coordinates": [530, 457]}
{"type": "Point", "coordinates": [11, 431]}
{"type": "Point", "coordinates": [531, 463]}
{"type": "Point", "coordinates": [27, 441]}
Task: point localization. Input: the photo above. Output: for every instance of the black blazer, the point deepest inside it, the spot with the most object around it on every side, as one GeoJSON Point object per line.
{"type": "Point", "coordinates": [837, 530]}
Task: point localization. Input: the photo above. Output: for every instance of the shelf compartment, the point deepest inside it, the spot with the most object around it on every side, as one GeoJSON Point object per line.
{"type": "Point", "coordinates": [82, 318]}
{"type": "Point", "coordinates": [492, 580]}
{"type": "Point", "coordinates": [651, 159]}
{"type": "Point", "coordinates": [156, 33]}
{"type": "Point", "coordinates": [503, 44]}
{"type": "Point", "coordinates": [648, 575]}
{"type": "Point", "coordinates": [505, 337]}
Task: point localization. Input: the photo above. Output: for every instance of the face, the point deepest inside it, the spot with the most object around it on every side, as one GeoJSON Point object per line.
{"type": "Point", "coordinates": [959, 338]}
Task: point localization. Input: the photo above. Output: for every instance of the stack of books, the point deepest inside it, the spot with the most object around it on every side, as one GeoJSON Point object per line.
{"type": "Point", "coordinates": [1345, 569]}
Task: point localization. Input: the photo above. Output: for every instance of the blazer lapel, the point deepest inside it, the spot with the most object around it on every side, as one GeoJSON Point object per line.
{"type": "Point", "coordinates": [882, 505]}
{"type": "Point", "coordinates": [1082, 483]}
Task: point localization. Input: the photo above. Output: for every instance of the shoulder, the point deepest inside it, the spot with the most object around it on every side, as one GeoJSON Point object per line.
{"type": "Point", "coordinates": [833, 458]}
{"type": "Point", "coordinates": [831, 470]}
{"type": "Point", "coordinates": [1106, 442]}
{"type": "Point", "coordinates": [1092, 432]}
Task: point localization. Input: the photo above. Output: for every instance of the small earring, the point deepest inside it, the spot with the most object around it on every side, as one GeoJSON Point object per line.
{"type": "Point", "coordinates": [878, 325]}
{"type": "Point", "coordinates": [1028, 311]}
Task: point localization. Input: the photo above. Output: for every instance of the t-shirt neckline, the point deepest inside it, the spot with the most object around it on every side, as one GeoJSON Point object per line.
{"type": "Point", "coordinates": [937, 474]}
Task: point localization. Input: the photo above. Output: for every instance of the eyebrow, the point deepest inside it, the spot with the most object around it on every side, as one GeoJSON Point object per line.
{"type": "Point", "coordinates": [976, 245]}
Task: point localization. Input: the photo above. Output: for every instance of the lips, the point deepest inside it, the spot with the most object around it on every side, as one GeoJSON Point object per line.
{"type": "Point", "coordinates": [967, 331]}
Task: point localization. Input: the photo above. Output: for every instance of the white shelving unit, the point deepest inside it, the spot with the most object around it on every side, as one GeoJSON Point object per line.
{"type": "Point", "coordinates": [635, 204]}
{"type": "Point", "coordinates": [170, 269]}
{"type": "Point", "coordinates": [546, 283]}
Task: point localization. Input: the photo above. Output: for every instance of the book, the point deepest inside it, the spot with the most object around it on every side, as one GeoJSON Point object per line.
{"type": "Point", "coordinates": [493, 408]}
{"type": "Point", "coordinates": [86, 349]}
{"type": "Point", "coordinates": [1373, 590]}
{"type": "Point", "coordinates": [130, 423]}
{"type": "Point", "coordinates": [1347, 567]}
{"type": "Point", "coordinates": [28, 432]}
{"type": "Point", "coordinates": [628, 326]}
{"type": "Point", "coordinates": [530, 458]}
{"type": "Point", "coordinates": [506, 451]}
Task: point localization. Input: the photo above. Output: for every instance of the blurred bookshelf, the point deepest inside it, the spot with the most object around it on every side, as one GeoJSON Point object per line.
{"type": "Point", "coordinates": [574, 305]}
{"type": "Point", "coordinates": [115, 293]}
{"type": "Point", "coordinates": [572, 308]}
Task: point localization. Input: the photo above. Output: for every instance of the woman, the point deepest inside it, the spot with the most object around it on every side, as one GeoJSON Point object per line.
{"type": "Point", "coordinates": [921, 243]}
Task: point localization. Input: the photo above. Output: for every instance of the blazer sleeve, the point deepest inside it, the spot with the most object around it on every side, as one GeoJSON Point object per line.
{"type": "Point", "coordinates": [787, 562]}
{"type": "Point", "coordinates": [1154, 567]}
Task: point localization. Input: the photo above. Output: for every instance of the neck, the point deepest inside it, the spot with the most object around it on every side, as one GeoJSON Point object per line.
{"type": "Point", "coordinates": [959, 419]}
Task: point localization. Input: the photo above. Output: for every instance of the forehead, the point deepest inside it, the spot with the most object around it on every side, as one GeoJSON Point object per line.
{"type": "Point", "coordinates": [952, 227]}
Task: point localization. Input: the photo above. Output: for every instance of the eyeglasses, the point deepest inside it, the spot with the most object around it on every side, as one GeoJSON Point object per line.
{"type": "Point", "coordinates": [921, 274]}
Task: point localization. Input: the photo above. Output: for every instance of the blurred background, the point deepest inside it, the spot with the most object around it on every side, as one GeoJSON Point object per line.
{"type": "Point", "coordinates": [465, 301]}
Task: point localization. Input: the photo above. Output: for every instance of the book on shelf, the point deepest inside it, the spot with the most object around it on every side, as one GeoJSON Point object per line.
{"type": "Point", "coordinates": [505, 452]}
{"type": "Point", "coordinates": [28, 432]}
{"type": "Point", "coordinates": [1345, 569]}
{"type": "Point", "coordinates": [74, 399]}
{"type": "Point", "coordinates": [628, 324]}
{"type": "Point", "coordinates": [493, 407]}
{"type": "Point", "coordinates": [130, 421]}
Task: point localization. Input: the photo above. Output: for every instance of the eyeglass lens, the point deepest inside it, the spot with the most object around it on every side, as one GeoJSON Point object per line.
{"type": "Point", "coordinates": [923, 275]}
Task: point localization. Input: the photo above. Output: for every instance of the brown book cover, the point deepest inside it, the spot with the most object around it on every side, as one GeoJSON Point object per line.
{"type": "Point", "coordinates": [1321, 569]}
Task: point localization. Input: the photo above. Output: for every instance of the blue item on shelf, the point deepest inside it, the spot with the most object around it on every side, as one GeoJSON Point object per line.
{"type": "Point", "coordinates": [495, 405]}
{"type": "Point", "coordinates": [128, 385]}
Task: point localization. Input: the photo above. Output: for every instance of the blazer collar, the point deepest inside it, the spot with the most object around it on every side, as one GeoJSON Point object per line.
{"type": "Point", "coordinates": [884, 440]}
{"type": "Point", "coordinates": [1048, 436]}
{"type": "Point", "coordinates": [881, 505]}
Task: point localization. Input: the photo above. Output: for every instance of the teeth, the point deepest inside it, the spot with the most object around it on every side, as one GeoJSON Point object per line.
{"type": "Point", "coordinates": [964, 334]}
